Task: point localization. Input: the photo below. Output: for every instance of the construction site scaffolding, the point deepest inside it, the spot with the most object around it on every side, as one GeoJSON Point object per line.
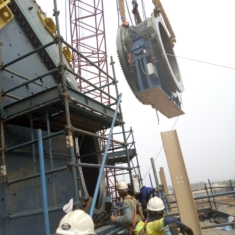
{"type": "Point", "coordinates": [53, 112]}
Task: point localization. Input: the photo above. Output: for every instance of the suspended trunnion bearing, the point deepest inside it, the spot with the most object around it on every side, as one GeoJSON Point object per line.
{"type": "Point", "coordinates": [147, 58]}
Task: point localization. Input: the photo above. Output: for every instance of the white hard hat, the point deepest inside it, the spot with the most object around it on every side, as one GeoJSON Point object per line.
{"type": "Point", "coordinates": [155, 204]}
{"type": "Point", "coordinates": [76, 222]}
{"type": "Point", "coordinates": [122, 186]}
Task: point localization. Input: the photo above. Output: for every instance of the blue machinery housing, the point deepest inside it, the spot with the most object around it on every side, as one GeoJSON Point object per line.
{"type": "Point", "coordinates": [150, 66]}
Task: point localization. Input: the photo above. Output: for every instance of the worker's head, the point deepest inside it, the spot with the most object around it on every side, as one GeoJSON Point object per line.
{"type": "Point", "coordinates": [130, 190]}
{"type": "Point", "coordinates": [156, 207]}
{"type": "Point", "coordinates": [76, 222]}
{"type": "Point", "coordinates": [122, 188]}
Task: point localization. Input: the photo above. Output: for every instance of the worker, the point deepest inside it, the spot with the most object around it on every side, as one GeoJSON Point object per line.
{"type": "Point", "coordinates": [119, 203]}
{"type": "Point", "coordinates": [139, 211]}
{"type": "Point", "coordinates": [128, 217]}
{"type": "Point", "coordinates": [145, 194]}
{"type": "Point", "coordinates": [157, 221]}
{"type": "Point", "coordinates": [76, 222]}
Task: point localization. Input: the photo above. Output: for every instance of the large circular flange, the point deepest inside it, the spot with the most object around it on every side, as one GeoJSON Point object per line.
{"type": "Point", "coordinates": [162, 47]}
{"type": "Point", "coordinates": [124, 43]}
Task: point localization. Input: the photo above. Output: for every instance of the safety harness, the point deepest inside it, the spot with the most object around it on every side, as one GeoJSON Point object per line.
{"type": "Point", "coordinates": [143, 230]}
{"type": "Point", "coordinates": [132, 227]}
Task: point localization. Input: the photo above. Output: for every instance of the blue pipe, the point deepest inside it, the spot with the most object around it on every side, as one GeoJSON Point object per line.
{"type": "Point", "coordinates": [43, 183]}
{"type": "Point", "coordinates": [104, 159]}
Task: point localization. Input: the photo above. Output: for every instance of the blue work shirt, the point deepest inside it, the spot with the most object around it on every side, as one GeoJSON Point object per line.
{"type": "Point", "coordinates": [145, 194]}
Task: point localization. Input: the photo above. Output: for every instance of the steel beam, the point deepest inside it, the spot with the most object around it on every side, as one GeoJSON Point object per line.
{"type": "Point", "coordinates": [180, 181]}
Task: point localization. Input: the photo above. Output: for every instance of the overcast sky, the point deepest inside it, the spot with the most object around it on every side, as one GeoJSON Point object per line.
{"type": "Point", "coordinates": [204, 31]}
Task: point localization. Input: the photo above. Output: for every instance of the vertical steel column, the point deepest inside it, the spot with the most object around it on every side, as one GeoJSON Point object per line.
{"type": "Point", "coordinates": [180, 180]}
{"type": "Point", "coordinates": [104, 159]}
{"type": "Point", "coordinates": [212, 194]}
{"type": "Point", "coordinates": [3, 170]}
{"type": "Point", "coordinates": [155, 174]}
{"type": "Point", "coordinates": [4, 175]}
{"type": "Point", "coordinates": [66, 103]}
{"type": "Point", "coordinates": [43, 183]}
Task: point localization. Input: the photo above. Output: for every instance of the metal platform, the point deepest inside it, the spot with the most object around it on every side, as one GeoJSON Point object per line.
{"type": "Point", "coordinates": [120, 156]}
{"type": "Point", "coordinates": [86, 113]}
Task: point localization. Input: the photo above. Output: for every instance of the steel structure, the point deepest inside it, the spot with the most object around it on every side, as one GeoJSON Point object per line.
{"type": "Point", "coordinates": [87, 33]}
{"type": "Point", "coordinates": [50, 130]}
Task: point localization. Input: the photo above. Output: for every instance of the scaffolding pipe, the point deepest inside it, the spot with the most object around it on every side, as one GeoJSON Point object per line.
{"type": "Point", "coordinates": [115, 231]}
{"type": "Point", "coordinates": [43, 183]}
{"type": "Point", "coordinates": [231, 187]}
{"type": "Point", "coordinates": [28, 54]}
{"type": "Point", "coordinates": [95, 135]}
{"type": "Point", "coordinates": [150, 180]}
{"type": "Point", "coordinates": [217, 225]}
{"type": "Point", "coordinates": [36, 212]}
{"type": "Point", "coordinates": [13, 97]}
{"type": "Point", "coordinates": [91, 84]}
{"type": "Point", "coordinates": [70, 140]}
{"type": "Point", "coordinates": [30, 81]}
{"type": "Point", "coordinates": [212, 192]}
{"type": "Point", "coordinates": [207, 196]}
{"type": "Point", "coordinates": [137, 160]}
{"type": "Point", "coordinates": [95, 153]}
{"type": "Point", "coordinates": [25, 78]}
{"type": "Point", "coordinates": [128, 157]}
{"type": "Point", "coordinates": [101, 87]}
{"type": "Point", "coordinates": [34, 141]}
{"type": "Point", "coordinates": [99, 165]}
{"type": "Point", "coordinates": [37, 175]}
{"type": "Point", "coordinates": [90, 62]}
{"type": "Point", "coordinates": [225, 203]}
{"type": "Point", "coordinates": [104, 160]}
{"type": "Point", "coordinates": [115, 81]}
